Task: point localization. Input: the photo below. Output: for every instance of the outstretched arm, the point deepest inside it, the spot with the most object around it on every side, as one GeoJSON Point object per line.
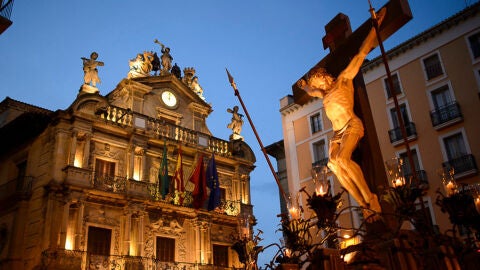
{"type": "Point", "coordinates": [368, 44]}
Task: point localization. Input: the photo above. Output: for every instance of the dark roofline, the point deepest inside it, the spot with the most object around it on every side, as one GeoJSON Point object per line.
{"type": "Point", "coordinates": [12, 103]}
{"type": "Point", "coordinates": [470, 11]}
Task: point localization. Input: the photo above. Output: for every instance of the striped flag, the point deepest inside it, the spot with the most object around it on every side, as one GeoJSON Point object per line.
{"type": "Point", "coordinates": [178, 184]}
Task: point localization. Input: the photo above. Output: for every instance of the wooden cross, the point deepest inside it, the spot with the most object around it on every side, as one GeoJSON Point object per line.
{"type": "Point", "coordinates": [343, 45]}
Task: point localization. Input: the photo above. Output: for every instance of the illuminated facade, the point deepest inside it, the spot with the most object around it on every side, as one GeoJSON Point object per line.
{"type": "Point", "coordinates": [437, 77]}
{"type": "Point", "coordinates": [80, 189]}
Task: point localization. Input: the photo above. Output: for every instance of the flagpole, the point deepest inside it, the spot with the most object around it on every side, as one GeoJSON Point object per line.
{"type": "Point", "coordinates": [237, 93]}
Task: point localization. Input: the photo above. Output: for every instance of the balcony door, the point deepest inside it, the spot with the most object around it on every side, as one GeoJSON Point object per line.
{"type": "Point", "coordinates": [99, 241]}
{"type": "Point", "coordinates": [403, 112]}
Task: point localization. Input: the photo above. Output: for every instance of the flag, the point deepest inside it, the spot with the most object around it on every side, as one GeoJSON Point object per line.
{"type": "Point", "coordinates": [163, 173]}
{"type": "Point", "coordinates": [178, 185]}
{"type": "Point", "coordinates": [199, 193]}
{"type": "Point", "coordinates": [213, 184]}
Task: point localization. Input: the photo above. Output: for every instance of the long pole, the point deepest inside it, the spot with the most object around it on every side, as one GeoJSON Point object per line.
{"type": "Point", "coordinates": [237, 93]}
{"type": "Point", "coordinates": [399, 115]}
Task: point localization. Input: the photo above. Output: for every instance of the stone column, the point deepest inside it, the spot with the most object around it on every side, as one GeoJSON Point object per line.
{"type": "Point", "coordinates": [86, 151]}
{"type": "Point", "coordinates": [64, 225]}
{"type": "Point", "coordinates": [130, 161]}
{"type": "Point", "coordinates": [73, 147]}
{"type": "Point", "coordinates": [126, 233]}
{"type": "Point", "coordinates": [60, 155]}
{"type": "Point", "coordinates": [144, 169]}
{"type": "Point", "coordinates": [79, 225]}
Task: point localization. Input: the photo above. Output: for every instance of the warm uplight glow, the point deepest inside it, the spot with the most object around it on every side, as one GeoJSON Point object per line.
{"type": "Point", "coordinates": [321, 190]}
{"type": "Point", "coordinates": [347, 241]}
{"type": "Point", "coordinates": [288, 252]}
{"type": "Point", "coordinates": [398, 182]}
{"type": "Point", "coordinates": [395, 172]}
{"type": "Point", "coordinates": [477, 203]}
{"type": "Point", "coordinates": [68, 244]}
{"type": "Point", "coordinates": [450, 187]}
{"type": "Point", "coordinates": [294, 212]}
{"type": "Point", "coordinates": [319, 177]}
{"type": "Point", "coordinates": [77, 163]}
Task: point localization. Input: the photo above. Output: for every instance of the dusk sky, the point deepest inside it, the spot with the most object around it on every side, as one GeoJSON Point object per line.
{"type": "Point", "coordinates": [266, 45]}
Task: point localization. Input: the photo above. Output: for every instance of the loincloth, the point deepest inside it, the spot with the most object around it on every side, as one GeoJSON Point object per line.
{"type": "Point", "coordinates": [353, 126]}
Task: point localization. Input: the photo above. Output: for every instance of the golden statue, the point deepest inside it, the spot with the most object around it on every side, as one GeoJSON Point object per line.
{"type": "Point", "coordinates": [337, 94]}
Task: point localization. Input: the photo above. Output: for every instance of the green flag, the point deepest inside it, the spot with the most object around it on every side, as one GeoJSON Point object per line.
{"type": "Point", "coordinates": [163, 173]}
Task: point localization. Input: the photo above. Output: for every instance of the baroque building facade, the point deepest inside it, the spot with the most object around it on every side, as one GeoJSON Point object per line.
{"type": "Point", "coordinates": [80, 188]}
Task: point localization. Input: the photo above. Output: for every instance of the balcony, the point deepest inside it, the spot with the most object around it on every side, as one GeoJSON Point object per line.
{"type": "Point", "coordinates": [17, 189]}
{"type": "Point", "coordinates": [463, 166]}
{"type": "Point", "coordinates": [130, 188]}
{"type": "Point", "coordinates": [396, 137]}
{"type": "Point", "coordinates": [61, 259]}
{"type": "Point", "coordinates": [446, 115]}
{"type": "Point", "coordinates": [161, 129]}
{"type": "Point", "coordinates": [5, 13]}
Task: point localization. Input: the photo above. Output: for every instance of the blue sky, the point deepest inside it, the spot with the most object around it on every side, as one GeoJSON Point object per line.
{"type": "Point", "coordinates": [266, 45]}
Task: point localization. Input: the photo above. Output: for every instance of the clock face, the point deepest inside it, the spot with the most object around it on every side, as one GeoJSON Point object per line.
{"type": "Point", "coordinates": [169, 98]}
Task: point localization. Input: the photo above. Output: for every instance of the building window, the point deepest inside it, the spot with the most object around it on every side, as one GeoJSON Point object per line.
{"type": "Point", "coordinates": [220, 255]}
{"type": "Point", "coordinates": [165, 249]}
{"type": "Point", "coordinates": [441, 97]}
{"type": "Point", "coordinates": [407, 169]}
{"type": "Point", "coordinates": [474, 42]}
{"type": "Point", "coordinates": [433, 67]}
{"type": "Point", "coordinates": [454, 146]}
{"type": "Point", "coordinates": [99, 240]}
{"type": "Point", "coordinates": [104, 168]}
{"type": "Point", "coordinates": [396, 85]}
{"type": "Point", "coordinates": [319, 153]}
{"type": "Point", "coordinates": [403, 112]}
{"type": "Point", "coordinates": [316, 122]}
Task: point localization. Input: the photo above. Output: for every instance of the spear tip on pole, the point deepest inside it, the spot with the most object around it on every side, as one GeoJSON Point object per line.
{"type": "Point", "coordinates": [230, 78]}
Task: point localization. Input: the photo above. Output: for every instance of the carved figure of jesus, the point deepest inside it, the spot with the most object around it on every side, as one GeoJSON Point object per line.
{"type": "Point", "coordinates": [338, 100]}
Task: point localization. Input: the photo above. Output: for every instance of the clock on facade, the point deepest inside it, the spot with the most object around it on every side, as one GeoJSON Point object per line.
{"type": "Point", "coordinates": [169, 98]}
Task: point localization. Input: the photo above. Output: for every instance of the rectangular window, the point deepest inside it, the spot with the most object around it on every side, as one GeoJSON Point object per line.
{"type": "Point", "coordinates": [404, 113]}
{"type": "Point", "coordinates": [165, 249]}
{"type": "Point", "coordinates": [316, 122]}
{"type": "Point", "coordinates": [319, 151]}
{"type": "Point", "coordinates": [407, 169]}
{"type": "Point", "coordinates": [433, 67]}
{"type": "Point", "coordinates": [441, 97]}
{"type": "Point", "coordinates": [396, 86]}
{"type": "Point", "coordinates": [99, 240]}
{"type": "Point", "coordinates": [220, 255]}
{"type": "Point", "coordinates": [104, 168]}
{"type": "Point", "coordinates": [455, 146]}
{"type": "Point", "coordinates": [474, 41]}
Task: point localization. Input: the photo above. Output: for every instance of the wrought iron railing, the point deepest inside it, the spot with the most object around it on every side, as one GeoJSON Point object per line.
{"type": "Point", "coordinates": [396, 133]}
{"type": "Point", "coordinates": [446, 113]}
{"type": "Point", "coordinates": [20, 187]}
{"type": "Point", "coordinates": [6, 9]}
{"type": "Point", "coordinates": [133, 188]}
{"type": "Point", "coordinates": [433, 70]}
{"type": "Point", "coordinates": [463, 164]}
{"type": "Point", "coordinates": [162, 129]}
{"type": "Point", "coordinates": [75, 259]}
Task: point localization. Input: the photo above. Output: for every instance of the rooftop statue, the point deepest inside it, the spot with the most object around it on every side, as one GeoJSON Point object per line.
{"type": "Point", "coordinates": [142, 65]}
{"type": "Point", "coordinates": [337, 94]}
{"type": "Point", "coordinates": [90, 70]}
{"type": "Point", "coordinates": [236, 124]}
{"type": "Point", "coordinates": [166, 59]}
{"type": "Point", "coordinates": [196, 87]}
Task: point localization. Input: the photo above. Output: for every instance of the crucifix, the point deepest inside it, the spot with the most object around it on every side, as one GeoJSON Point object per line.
{"type": "Point", "coordinates": [337, 81]}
